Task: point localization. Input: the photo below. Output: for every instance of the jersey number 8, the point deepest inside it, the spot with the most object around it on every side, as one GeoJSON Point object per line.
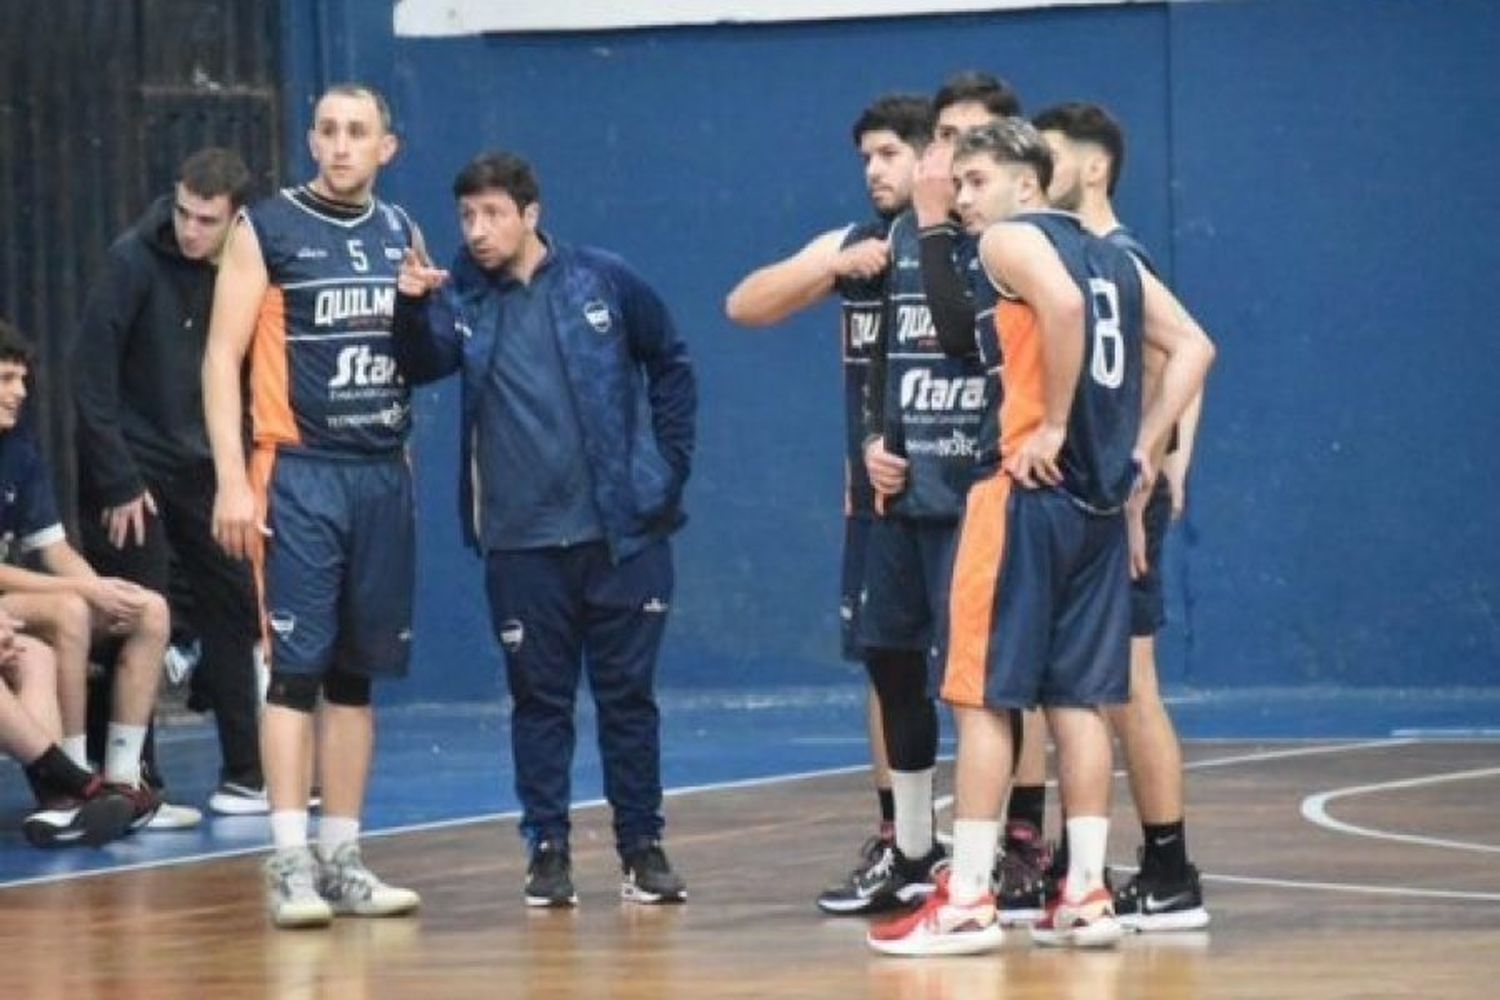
{"type": "Point", "coordinates": [1108, 364]}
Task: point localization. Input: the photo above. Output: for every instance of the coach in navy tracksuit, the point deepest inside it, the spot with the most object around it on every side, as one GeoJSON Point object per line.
{"type": "Point", "coordinates": [578, 406]}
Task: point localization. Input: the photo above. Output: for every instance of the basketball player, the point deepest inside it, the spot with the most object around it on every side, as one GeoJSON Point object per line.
{"type": "Point", "coordinates": [307, 290]}
{"type": "Point", "coordinates": [1088, 150]}
{"type": "Point", "coordinates": [1039, 605]}
{"type": "Point", "coordinates": [959, 298]}
{"type": "Point", "coordinates": [852, 261]}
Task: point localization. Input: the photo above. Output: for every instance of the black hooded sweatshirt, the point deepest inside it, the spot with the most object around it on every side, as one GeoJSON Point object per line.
{"type": "Point", "coordinates": [137, 363]}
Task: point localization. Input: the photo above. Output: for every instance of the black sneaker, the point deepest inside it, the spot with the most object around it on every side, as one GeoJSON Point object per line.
{"type": "Point", "coordinates": [240, 798]}
{"type": "Point", "coordinates": [96, 818]}
{"type": "Point", "coordinates": [549, 877]}
{"type": "Point", "coordinates": [649, 878]}
{"type": "Point", "coordinates": [1021, 874]}
{"type": "Point", "coordinates": [1152, 902]}
{"type": "Point", "coordinates": [144, 800]}
{"type": "Point", "coordinates": [859, 890]}
{"type": "Point", "coordinates": [889, 880]}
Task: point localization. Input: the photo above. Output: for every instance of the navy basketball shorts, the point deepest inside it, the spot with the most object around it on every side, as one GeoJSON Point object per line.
{"type": "Point", "coordinates": [907, 564]}
{"type": "Point", "coordinates": [851, 584]}
{"type": "Point", "coordinates": [340, 563]}
{"type": "Point", "coordinates": [1040, 605]}
{"type": "Point", "coordinates": [1148, 606]}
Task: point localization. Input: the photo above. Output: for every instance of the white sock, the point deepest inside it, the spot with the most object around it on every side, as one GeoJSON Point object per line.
{"type": "Point", "coordinates": [77, 749]}
{"type": "Point", "coordinates": [289, 828]}
{"type": "Point", "coordinates": [1087, 839]}
{"type": "Point", "coordinates": [334, 832]}
{"type": "Point", "coordinates": [912, 791]}
{"type": "Point", "coordinates": [122, 754]}
{"type": "Point", "coordinates": [974, 842]}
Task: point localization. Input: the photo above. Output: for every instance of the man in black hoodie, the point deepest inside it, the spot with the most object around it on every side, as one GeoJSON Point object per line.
{"type": "Point", "coordinates": [146, 475]}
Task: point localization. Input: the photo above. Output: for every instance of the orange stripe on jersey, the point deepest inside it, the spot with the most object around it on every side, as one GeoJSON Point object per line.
{"type": "Point", "coordinates": [262, 464]}
{"type": "Point", "coordinates": [270, 384]}
{"type": "Point", "coordinates": [971, 596]}
{"type": "Point", "coordinates": [1022, 404]}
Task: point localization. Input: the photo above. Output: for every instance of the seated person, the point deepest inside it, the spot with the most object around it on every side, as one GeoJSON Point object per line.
{"type": "Point", "coordinates": [73, 804]}
{"type": "Point", "coordinates": [67, 604]}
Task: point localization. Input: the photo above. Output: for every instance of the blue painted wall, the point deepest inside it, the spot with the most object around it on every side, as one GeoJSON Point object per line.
{"type": "Point", "coordinates": [1315, 176]}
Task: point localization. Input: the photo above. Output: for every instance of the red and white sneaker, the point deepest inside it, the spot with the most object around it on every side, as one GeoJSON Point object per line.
{"type": "Point", "coordinates": [940, 927]}
{"type": "Point", "coordinates": [1082, 923]}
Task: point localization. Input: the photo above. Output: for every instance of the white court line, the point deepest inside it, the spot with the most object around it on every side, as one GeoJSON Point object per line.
{"type": "Point", "coordinates": [942, 802]}
{"type": "Point", "coordinates": [1315, 810]}
{"type": "Point", "coordinates": [1367, 890]}
{"type": "Point", "coordinates": [594, 803]}
{"type": "Point", "coordinates": [1449, 734]}
{"type": "Point", "coordinates": [442, 824]}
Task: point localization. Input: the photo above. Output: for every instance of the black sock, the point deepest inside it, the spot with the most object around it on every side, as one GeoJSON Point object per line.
{"type": "Point", "coordinates": [1028, 803]}
{"type": "Point", "coordinates": [54, 773]}
{"type": "Point", "coordinates": [887, 805]}
{"type": "Point", "coordinates": [1060, 856]}
{"type": "Point", "coordinates": [1166, 848]}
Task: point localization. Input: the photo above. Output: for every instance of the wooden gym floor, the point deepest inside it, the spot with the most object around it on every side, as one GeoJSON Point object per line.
{"type": "Point", "coordinates": [1332, 869]}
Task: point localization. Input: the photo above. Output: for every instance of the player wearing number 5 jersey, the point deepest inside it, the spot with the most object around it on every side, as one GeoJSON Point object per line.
{"type": "Point", "coordinates": [1039, 601]}
{"type": "Point", "coordinates": [307, 290]}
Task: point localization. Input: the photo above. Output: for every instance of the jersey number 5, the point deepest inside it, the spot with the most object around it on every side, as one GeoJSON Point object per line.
{"type": "Point", "coordinates": [357, 258]}
{"type": "Point", "coordinates": [1108, 364]}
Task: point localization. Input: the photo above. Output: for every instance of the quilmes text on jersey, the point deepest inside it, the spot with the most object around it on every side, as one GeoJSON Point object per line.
{"type": "Point", "coordinates": [352, 303]}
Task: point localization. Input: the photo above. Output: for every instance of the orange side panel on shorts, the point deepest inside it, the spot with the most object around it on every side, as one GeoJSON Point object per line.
{"type": "Point", "coordinates": [270, 383]}
{"type": "Point", "coordinates": [1021, 407]}
{"type": "Point", "coordinates": [262, 464]}
{"type": "Point", "coordinates": [971, 596]}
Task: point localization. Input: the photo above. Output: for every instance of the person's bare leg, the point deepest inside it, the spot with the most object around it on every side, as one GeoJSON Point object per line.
{"type": "Point", "coordinates": [346, 741]}
{"type": "Point", "coordinates": [1153, 755]}
{"type": "Point", "coordinates": [35, 684]}
{"type": "Point", "coordinates": [138, 668]}
{"type": "Point", "coordinates": [286, 751]}
{"type": "Point", "coordinates": [1085, 759]}
{"type": "Point", "coordinates": [64, 623]}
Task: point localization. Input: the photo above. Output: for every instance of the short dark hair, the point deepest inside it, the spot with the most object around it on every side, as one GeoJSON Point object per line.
{"type": "Point", "coordinates": [353, 88]}
{"type": "Point", "coordinates": [498, 170]}
{"type": "Point", "coordinates": [1009, 140]}
{"type": "Point", "coordinates": [998, 97]}
{"type": "Point", "coordinates": [14, 347]}
{"type": "Point", "coordinates": [1089, 123]}
{"type": "Point", "coordinates": [907, 115]}
{"type": "Point", "coordinates": [213, 171]}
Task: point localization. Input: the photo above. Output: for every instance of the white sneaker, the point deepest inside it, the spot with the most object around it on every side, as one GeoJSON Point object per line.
{"type": "Point", "coordinates": [291, 890]}
{"type": "Point", "coordinates": [174, 817]}
{"type": "Point", "coordinates": [351, 888]}
{"type": "Point", "coordinates": [234, 799]}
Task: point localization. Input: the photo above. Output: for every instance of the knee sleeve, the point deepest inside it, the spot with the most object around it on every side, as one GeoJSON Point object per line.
{"type": "Point", "coordinates": [343, 688]}
{"type": "Point", "coordinates": [908, 714]}
{"type": "Point", "coordinates": [1017, 738]}
{"type": "Point", "coordinates": [298, 692]}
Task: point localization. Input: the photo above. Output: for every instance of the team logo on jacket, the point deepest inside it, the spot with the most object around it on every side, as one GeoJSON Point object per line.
{"type": "Point", "coordinates": [597, 313]}
{"type": "Point", "coordinates": [512, 634]}
{"type": "Point", "coordinates": [283, 623]}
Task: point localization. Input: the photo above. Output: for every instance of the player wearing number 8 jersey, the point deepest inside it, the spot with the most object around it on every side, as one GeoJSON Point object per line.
{"type": "Point", "coordinates": [307, 291]}
{"type": "Point", "coordinates": [1039, 603]}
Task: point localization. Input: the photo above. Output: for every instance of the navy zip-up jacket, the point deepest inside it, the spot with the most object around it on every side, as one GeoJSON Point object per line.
{"type": "Point", "coordinates": [629, 374]}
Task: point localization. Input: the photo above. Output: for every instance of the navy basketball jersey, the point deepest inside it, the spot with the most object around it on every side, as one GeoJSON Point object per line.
{"type": "Point", "coordinates": [1125, 239]}
{"type": "Point", "coordinates": [1122, 237]}
{"type": "Point", "coordinates": [862, 310]}
{"type": "Point", "coordinates": [323, 372]}
{"type": "Point", "coordinates": [933, 403]}
{"type": "Point", "coordinates": [987, 341]}
{"type": "Point", "coordinates": [1096, 463]}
